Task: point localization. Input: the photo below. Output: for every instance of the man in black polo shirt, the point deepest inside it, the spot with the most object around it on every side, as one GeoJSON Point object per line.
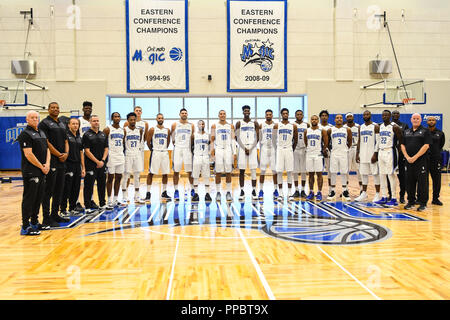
{"type": "Point", "coordinates": [35, 165]}
{"type": "Point", "coordinates": [415, 145]}
{"type": "Point", "coordinates": [95, 145]}
{"type": "Point", "coordinates": [58, 145]}
{"type": "Point", "coordinates": [435, 165]}
{"type": "Point", "coordinates": [401, 159]}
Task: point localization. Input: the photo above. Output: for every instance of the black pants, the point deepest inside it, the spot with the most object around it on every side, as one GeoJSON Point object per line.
{"type": "Point", "coordinates": [71, 185]}
{"type": "Point", "coordinates": [33, 190]}
{"type": "Point", "coordinates": [54, 188]}
{"type": "Point", "coordinates": [402, 175]}
{"type": "Point", "coordinates": [92, 175]}
{"type": "Point", "coordinates": [435, 168]}
{"type": "Point", "coordinates": [417, 181]}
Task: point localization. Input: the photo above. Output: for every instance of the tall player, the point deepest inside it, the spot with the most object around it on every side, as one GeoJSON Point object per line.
{"type": "Point", "coordinates": [85, 124]}
{"type": "Point", "coordinates": [116, 159]}
{"type": "Point", "coordinates": [300, 155]}
{"type": "Point", "coordinates": [341, 140]}
{"type": "Point", "coordinates": [369, 137]}
{"type": "Point", "coordinates": [324, 125]}
{"type": "Point", "coordinates": [182, 132]}
{"type": "Point", "coordinates": [158, 141]}
{"type": "Point", "coordinates": [352, 164]}
{"type": "Point", "coordinates": [316, 141]}
{"type": "Point", "coordinates": [387, 155]}
{"type": "Point", "coordinates": [247, 135]}
{"type": "Point", "coordinates": [267, 153]}
{"type": "Point", "coordinates": [223, 149]}
{"type": "Point", "coordinates": [200, 143]}
{"type": "Point", "coordinates": [286, 140]}
{"type": "Point", "coordinates": [133, 161]}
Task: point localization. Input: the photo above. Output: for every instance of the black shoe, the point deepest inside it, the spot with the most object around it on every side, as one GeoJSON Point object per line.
{"type": "Point", "coordinates": [402, 200]}
{"type": "Point", "coordinates": [94, 205]}
{"type": "Point", "coordinates": [50, 222]}
{"type": "Point", "coordinates": [295, 195]}
{"type": "Point", "coordinates": [437, 202]}
{"type": "Point", "coordinates": [346, 195]}
{"type": "Point", "coordinates": [164, 195]}
{"type": "Point", "coordinates": [79, 207]}
{"type": "Point", "coordinates": [421, 208]}
{"type": "Point", "coordinates": [208, 197]}
{"type": "Point", "coordinates": [254, 196]}
{"type": "Point", "coordinates": [195, 198]}
{"type": "Point", "coordinates": [43, 226]}
{"type": "Point", "coordinates": [59, 219]}
{"type": "Point", "coordinates": [147, 196]}
{"type": "Point", "coordinates": [408, 206]}
{"type": "Point", "coordinates": [303, 194]}
{"type": "Point", "coordinates": [242, 195]}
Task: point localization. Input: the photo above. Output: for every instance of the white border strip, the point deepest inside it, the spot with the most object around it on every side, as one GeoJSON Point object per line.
{"type": "Point", "coordinates": [172, 271]}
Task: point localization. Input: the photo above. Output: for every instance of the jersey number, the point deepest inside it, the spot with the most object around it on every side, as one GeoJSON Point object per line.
{"type": "Point", "coordinates": [133, 144]}
{"type": "Point", "coordinates": [383, 140]}
{"type": "Point", "coordinates": [118, 143]}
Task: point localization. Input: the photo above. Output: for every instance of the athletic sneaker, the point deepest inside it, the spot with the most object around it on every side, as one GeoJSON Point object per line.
{"type": "Point", "coordinates": [310, 196]}
{"type": "Point", "coordinates": [303, 194]}
{"type": "Point", "coordinates": [254, 196]}
{"type": "Point", "coordinates": [35, 227]}
{"type": "Point", "coordinates": [107, 207]}
{"type": "Point", "coordinates": [147, 196]}
{"type": "Point", "coordinates": [362, 197]}
{"type": "Point", "coordinates": [392, 203]}
{"type": "Point", "coordinates": [280, 196]}
{"type": "Point", "coordinates": [164, 195]}
{"type": "Point", "coordinates": [319, 196]}
{"type": "Point", "coordinates": [208, 197]}
{"type": "Point", "coordinates": [421, 208]}
{"type": "Point", "coordinates": [331, 196]}
{"type": "Point", "coordinates": [346, 195]}
{"type": "Point", "coordinates": [218, 196]}
{"type": "Point", "coordinates": [376, 198]}
{"type": "Point", "coordinates": [43, 226]}
{"type": "Point", "coordinates": [29, 231]}
{"type": "Point", "coordinates": [195, 198]}
{"type": "Point", "coordinates": [94, 205]}
{"type": "Point", "coordinates": [261, 194]}
{"type": "Point", "coordinates": [50, 223]}
{"type": "Point", "coordinates": [59, 219]}
{"type": "Point", "coordinates": [79, 207]}
{"type": "Point", "coordinates": [295, 195]}
{"type": "Point", "coordinates": [383, 200]}
{"type": "Point", "coordinates": [65, 214]}
{"type": "Point", "coordinates": [275, 194]}
{"type": "Point", "coordinates": [138, 200]}
{"type": "Point", "coordinates": [229, 197]}
{"type": "Point", "coordinates": [242, 195]}
{"type": "Point", "coordinates": [176, 195]}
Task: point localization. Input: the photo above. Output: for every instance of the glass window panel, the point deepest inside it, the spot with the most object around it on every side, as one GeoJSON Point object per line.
{"type": "Point", "coordinates": [239, 102]}
{"type": "Point", "coordinates": [293, 104]}
{"type": "Point", "coordinates": [196, 107]}
{"type": "Point", "coordinates": [149, 107]}
{"type": "Point", "coordinates": [265, 103]}
{"type": "Point", "coordinates": [120, 105]}
{"type": "Point", "coordinates": [217, 104]}
{"type": "Point", "coordinates": [170, 107]}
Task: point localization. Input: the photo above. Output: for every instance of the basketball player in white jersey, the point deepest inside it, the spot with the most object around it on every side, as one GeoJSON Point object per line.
{"type": "Point", "coordinates": [286, 142]}
{"type": "Point", "coordinates": [182, 132]}
{"type": "Point", "coordinates": [352, 164]}
{"type": "Point", "coordinates": [116, 159]}
{"type": "Point", "coordinates": [300, 156]}
{"type": "Point", "coordinates": [341, 140]}
{"type": "Point", "coordinates": [140, 124]}
{"type": "Point", "coordinates": [387, 155]}
{"type": "Point", "coordinates": [223, 150]}
{"type": "Point", "coordinates": [369, 136]}
{"type": "Point", "coordinates": [133, 162]}
{"type": "Point", "coordinates": [324, 125]}
{"type": "Point", "coordinates": [158, 141]}
{"type": "Point", "coordinates": [247, 135]}
{"type": "Point", "coordinates": [200, 162]}
{"type": "Point", "coordinates": [85, 125]}
{"type": "Point", "coordinates": [267, 153]}
{"type": "Point", "coordinates": [316, 141]}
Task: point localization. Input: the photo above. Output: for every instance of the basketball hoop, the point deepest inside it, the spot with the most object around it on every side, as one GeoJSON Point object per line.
{"type": "Point", "coordinates": [408, 100]}
{"type": "Point", "coordinates": [2, 103]}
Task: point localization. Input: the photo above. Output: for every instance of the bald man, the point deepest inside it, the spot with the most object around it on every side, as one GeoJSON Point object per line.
{"type": "Point", "coordinates": [35, 166]}
{"type": "Point", "coordinates": [414, 146]}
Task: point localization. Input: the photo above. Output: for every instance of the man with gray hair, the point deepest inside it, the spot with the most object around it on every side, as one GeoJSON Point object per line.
{"type": "Point", "coordinates": [415, 145]}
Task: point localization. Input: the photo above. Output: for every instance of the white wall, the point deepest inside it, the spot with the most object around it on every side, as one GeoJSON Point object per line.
{"type": "Point", "coordinates": [329, 49]}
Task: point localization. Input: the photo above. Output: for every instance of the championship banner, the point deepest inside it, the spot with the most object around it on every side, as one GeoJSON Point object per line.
{"type": "Point", "coordinates": [257, 34]}
{"type": "Point", "coordinates": [157, 45]}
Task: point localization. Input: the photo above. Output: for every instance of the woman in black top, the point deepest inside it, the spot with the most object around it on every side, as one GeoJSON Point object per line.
{"type": "Point", "coordinates": [75, 169]}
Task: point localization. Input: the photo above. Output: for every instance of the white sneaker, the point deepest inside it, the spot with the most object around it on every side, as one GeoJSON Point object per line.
{"type": "Point", "coordinates": [138, 200]}
{"type": "Point", "coordinates": [362, 197]}
{"type": "Point", "coordinates": [376, 198]}
{"type": "Point", "coordinates": [281, 196]}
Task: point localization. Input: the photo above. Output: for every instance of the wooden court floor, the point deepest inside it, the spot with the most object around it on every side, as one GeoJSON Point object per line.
{"type": "Point", "coordinates": [241, 250]}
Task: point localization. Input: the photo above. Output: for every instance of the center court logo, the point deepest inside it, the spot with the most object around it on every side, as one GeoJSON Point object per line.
{"type": "Point", "coordinates": [259, 52]}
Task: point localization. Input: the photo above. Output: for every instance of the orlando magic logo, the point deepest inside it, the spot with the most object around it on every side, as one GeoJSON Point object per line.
{"type": "Point", "coordinates": [326, 223]}
{"type": "Point", "coordinates": [11, 134]}
{"type": "Point", "coordinates": [259, 52]}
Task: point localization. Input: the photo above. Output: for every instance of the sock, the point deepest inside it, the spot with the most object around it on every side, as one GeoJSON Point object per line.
{"type": "Point", "coordinates": [228, 186]}
{"type": "Point", "coordinates": [207, 188]}
{"type": "Point", "coordinates": [217, 187]}
{"type": "Point", "coordinates": [149, 187]}
{"type": "Point", "coordinates": [299, 188]}
{"type": "Point", "coordinates": [175, 186]}
{"type": "Point", "coordinates": [164, 186]}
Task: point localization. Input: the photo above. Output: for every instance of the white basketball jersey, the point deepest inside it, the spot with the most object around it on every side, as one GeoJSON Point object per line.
{"type": "Point", "coordinates": [314, 137]}
{"type": "Point", "coordinates": [201, 144]}
{"type": "Point", "coordinates": [85, 125]}
{"type": "Point", "coordinates": [367, 142]}
{"type": "Point", "coordinates": [301, 129]}
{"type": "Point", "coordinates": [354, 130]}
{"type": "Point", "coordinates": [247, 133]}
{"type": "Point", "coordinates": [339, 140]}
{"type": "Point", "coordinates": [141, 125]}
{"type": "Point", "coordinates": [328, 126]}
{"type": "Point", "coordinates": [266, 135]}
{"type": "Point", "coordinates": [285, 135]}
{"type": "Point", "coordinates": [387, 135]}
{"type": "Point", "coordinates": [183, 132]}
{"type": "Point", "coordinates": [223, 135]}
{"type": "Point", "coordinates": [132, 141]}
{"type": "Point", "coordinates": [115, 142]}
{"type": "Point", "coordinates": [159, 139]}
